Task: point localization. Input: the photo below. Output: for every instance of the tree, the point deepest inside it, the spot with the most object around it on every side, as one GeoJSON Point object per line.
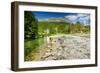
{"type": "Point", "coordinates": [31, 28]}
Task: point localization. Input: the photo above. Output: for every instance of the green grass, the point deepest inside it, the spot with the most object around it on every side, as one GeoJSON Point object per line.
{"type": "Point", "coordinates": [32, 45]}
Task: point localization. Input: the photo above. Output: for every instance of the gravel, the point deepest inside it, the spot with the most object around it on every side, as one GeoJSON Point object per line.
{"type": "Point", "coordinates": [63, 47]}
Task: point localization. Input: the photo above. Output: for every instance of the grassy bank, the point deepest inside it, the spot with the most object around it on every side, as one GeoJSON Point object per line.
{"type": "Point", "coordinates": [32, 46]}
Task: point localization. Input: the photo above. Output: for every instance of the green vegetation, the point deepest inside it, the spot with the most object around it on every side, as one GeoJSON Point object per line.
{"type": "Point", "coordinates": [35, 31]}
{"type": "Point", "coordinates": [79, 28]}
{"type": "Point", "coordinates": [31, 27]}
{"type": "Point", "coordinates": [30, 34]}
{"type": "Point", "coordinates": [52, 28]}
{"type": "Point", "coordinates": [32, 46]}
{"type": "Point", "coordinates": [61, 28]}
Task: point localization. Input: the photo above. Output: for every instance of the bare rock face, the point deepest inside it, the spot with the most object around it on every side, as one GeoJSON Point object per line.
{"type": "Point", "coordinates": [67, 47]}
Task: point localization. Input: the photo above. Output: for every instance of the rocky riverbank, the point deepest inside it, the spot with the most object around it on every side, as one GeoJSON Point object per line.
{"type": "Point", "coordinates": [61, 47]}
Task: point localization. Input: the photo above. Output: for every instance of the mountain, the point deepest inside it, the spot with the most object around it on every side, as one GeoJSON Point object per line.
{"type": "Point", "coordinates": [55, 20]}
{"type": "Point", "coordinates": [60, 20]}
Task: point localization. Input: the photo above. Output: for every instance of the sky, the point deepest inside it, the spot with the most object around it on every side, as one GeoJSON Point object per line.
{"type": "Point", "coordinates": [83, 18]}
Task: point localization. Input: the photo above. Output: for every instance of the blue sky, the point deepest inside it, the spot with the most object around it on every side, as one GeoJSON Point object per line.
{"type": "Point", "coordinates": [72, 17]}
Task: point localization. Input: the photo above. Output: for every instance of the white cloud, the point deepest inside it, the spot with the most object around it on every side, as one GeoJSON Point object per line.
{"type": "Point", "coordinates": [85, 19]}
{"type": "Point", "coordinates": [82, 18]}
{"type": "Point", "coordinates": [82, 15]}
{"type": "Point", "coordinates": [71, 18]}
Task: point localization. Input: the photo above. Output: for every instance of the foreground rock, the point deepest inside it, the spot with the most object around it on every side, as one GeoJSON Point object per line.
{"type": "Point", "coordinates": [67, 47]}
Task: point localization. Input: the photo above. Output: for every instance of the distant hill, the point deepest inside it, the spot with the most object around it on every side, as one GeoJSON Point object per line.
{"type": "Point", "coordinates": [56, 20]}
{"type": "Point", "coordinates": [60, 20]}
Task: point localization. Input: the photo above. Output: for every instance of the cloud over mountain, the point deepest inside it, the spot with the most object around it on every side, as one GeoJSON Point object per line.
{"type": "Point", "coordinates": [82, 18]}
